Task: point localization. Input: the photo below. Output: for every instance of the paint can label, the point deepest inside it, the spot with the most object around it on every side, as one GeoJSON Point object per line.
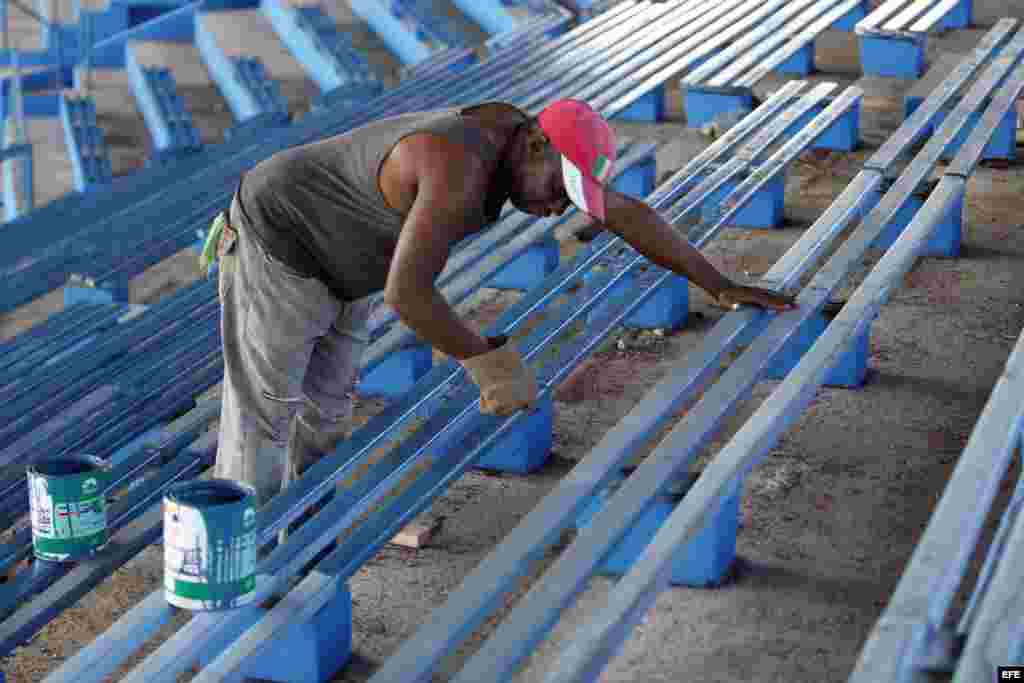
{"type": "Point", "coordinates": [209, 555]}
{"type": "Point", "coordinates": [67, 511]}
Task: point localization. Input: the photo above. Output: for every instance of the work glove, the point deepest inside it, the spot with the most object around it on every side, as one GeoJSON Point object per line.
{"type": "Point", "coordinates": [506, 385]}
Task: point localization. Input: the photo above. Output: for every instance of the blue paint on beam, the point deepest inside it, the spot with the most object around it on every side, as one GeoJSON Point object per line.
{"type": "Point", "coordinates": [892, 56]}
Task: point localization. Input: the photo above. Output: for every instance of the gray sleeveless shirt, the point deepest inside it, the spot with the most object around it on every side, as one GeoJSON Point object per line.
{"type": "Point", "coordinates": [318, 209]}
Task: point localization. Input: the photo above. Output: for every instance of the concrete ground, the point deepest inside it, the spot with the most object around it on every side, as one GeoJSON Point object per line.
{"type": "Point", "coordinates": [828, 519]}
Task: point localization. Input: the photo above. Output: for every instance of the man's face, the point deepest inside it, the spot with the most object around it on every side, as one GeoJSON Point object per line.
{"type": "Point", "coordinates": [537, 184]}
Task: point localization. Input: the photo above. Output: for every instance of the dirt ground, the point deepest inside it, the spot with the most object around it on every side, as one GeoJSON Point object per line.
{"type": "Point", "coordinates": [828, 519]}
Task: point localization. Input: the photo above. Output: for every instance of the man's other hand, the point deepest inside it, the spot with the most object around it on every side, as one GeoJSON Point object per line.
{"type": "Point", "coordinates": [732, 298]}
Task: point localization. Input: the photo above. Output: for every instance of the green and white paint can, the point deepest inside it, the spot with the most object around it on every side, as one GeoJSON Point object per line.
{"type": "Point", "coordinates": [209, 544]}
{"type": "Point", "coordinates": [68, 507]}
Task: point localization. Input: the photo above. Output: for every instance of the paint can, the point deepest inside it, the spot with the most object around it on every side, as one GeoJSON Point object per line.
{"type": "Point", "coordinates": [210, 544]}
{"type": "Point", "coordinates": [68, 507]}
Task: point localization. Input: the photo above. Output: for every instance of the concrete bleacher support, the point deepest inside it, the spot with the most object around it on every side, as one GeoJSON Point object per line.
{"type": "Point", "coordinates": [489, 14]}
{"type": "Point", "coordinates": [703, 563]}
{"type": "Point", "coordinates": [169, 122]}
{"type": "Point", "coordinates": [311, 651]}
{"type": "Point", "coordinates": [316, 42]}
{"type": "Point", "coordinates": [402, 42]}
{"type": "Point", "coordinates": [893, 38]}
{"type": "Point", "coordinates": [1003, 144]}
{"type": "Point", "coordinates": [244, 82]}
{"type": "Point", "coordinates": [87, 149]}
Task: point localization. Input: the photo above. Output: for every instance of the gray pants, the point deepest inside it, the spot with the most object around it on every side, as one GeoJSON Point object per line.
{"type": "Point", "coordinates": [291, 358]}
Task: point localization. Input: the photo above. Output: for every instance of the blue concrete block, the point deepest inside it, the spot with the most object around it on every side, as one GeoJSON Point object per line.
{"type": "Point", "coordinates": [910, 105]}
{"type": "Point", "coordinates": [703, 562]}
{"type": "Point", "coordinates": [529, 268]}
{"type": "Point", "coordinates": [959, 17]}
{"type": "Point", "coordinates": [850, 371]}
{"type": "Point", "coordinates": [892, 57]}
{"type": "Point", "coordinates": [668, 308]}
{"type": "Point", "coordinates": [310, 652]}
{"type": "Point", "coordinates": [765, 210]}
{"type": "Point", "coordinates": [638, 180]}
{"type": "Point", "coordinates": [842, 135]}
{"type": "Point", "coordinates": [801, 63]}
{"type": "Point", "coordinates": [848, 22]}
{"type": "Point", "coordinates": [41, 106]}
{"type": "Point", "coordinates": [397, 373]}
{"type": "Point", "coordinates": [527, 447]}
{"type": "Point", "coordinates": [1002, 145]}
{"type": "Point", "coordinates": [702, 106]}
{"type": "Point", "coordinates": [649, 108]}
{"type": "Point", "coordinates": [945, 241]}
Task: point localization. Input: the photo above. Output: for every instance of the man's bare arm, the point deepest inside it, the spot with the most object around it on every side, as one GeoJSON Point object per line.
{"type": "Point", "coordinates": [445, 210]}
{"type": "Point", "coordinates": [650, 234]}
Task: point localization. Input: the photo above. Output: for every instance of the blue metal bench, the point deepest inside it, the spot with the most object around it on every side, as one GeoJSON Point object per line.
{"type": "Point", "coordinates": [424, 403]}
{"type": "Point", "coordinates": [170, 124]}
{"type": "Point", "coordinates": [600, 637]}
{"type": "Point", "coordinates": [894, 36]}
{"type": "Point", "coordinates": [753, 40]}
{"type": "Point", "coordinates": [90, 158]}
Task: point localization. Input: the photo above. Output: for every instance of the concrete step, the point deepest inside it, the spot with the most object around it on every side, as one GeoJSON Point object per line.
{"type": "Point", "coordinates": [123, 126]}
{"type": "Point", "coordinates": [52, 173]}
{"type": "Point", "coordinates": [384, 63]}
{"type": "Point", "coordinates": [203, 100]}
{"type": "Point", "coordinates": [242, 33]}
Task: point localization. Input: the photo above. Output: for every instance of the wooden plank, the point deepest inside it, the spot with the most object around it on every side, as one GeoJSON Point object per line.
{"type": "Point", "coordinates": [418, 535]}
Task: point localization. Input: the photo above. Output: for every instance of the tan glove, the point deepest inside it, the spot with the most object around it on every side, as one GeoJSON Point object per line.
{"type": "Point", "coordinates": [506, 385]}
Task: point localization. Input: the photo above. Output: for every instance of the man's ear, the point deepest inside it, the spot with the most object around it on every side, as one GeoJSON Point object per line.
{"type": "Point", "coordinates": [537, 144]}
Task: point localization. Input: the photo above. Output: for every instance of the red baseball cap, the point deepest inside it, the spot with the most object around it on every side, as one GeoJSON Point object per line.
{"type": "Point", "coordinates": [587, 145]}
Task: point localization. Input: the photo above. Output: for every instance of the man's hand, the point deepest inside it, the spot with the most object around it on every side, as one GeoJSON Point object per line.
{"type": "Point", "coordinates": [506, 385]}
{"type": "Point", "coordinates": [731, 298]}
